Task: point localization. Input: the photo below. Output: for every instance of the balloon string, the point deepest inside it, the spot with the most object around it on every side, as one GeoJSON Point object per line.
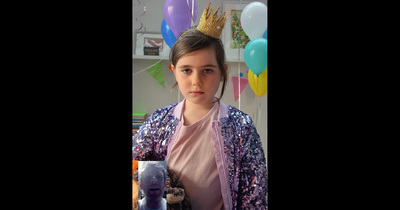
{"type": "Point", "coordinates": [255, 113]}
{"type": "Point", "coordinates": [191, 11]}
{"type": "Point", "coordinates": [239, 74]}
{"type": "Point", "coordinates": [259, 111]}
{"type": "Point", "coordinates": [258, 83]}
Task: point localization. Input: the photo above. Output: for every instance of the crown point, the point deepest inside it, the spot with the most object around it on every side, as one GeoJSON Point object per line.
{"type": "Point", "coordinates": [211, 23]}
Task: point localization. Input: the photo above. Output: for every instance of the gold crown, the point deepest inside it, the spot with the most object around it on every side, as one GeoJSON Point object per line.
{"type": "Point", "coordinates": [210, 24]}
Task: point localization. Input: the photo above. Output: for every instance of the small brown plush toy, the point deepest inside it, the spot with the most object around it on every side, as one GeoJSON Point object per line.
{"type": "Point", "coordinates": [176, 197]}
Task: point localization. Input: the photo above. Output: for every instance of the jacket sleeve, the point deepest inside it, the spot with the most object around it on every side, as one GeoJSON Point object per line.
{"type": "Point", "coordinates": [253, 179]}
{"type": "Point", "coordinates": [142, 141]}
{"type": "Point", "coordinates": [148, 143]}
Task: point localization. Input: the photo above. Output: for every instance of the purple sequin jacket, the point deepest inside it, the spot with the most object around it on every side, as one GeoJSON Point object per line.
{"type": "Point", "coordinates": [238, 152]}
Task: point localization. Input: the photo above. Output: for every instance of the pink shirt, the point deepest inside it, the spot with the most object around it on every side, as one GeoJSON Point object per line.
{"type": "Point", "coordinates": [192, 159]}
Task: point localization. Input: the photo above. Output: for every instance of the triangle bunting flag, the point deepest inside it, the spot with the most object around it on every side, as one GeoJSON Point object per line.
{"type": "Point", "coordinates": [156, 71]}
{"type": "Point", "coordinates": [243, 83]}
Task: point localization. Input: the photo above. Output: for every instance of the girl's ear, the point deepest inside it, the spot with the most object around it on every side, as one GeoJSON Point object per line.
{"type": "Point", "coordinates": [172, 67]}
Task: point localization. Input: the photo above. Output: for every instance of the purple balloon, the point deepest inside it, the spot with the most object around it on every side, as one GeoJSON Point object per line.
{"type": "Point", "coordinates": [177, 14]}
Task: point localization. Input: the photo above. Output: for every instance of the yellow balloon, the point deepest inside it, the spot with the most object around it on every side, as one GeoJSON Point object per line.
{"type": "Point", "coordinates": [258, 84]}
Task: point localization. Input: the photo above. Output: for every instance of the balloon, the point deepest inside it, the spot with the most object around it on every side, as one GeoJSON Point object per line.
{"type": "Point", "coordinates": [265, 36]}
{"type": "Point", "coordinates": [254, 19]}
{"type": "Point", "coordinates": [167, 34]}
{"type": "Point", "coordinates": [178, 15]}
{"type": "Point", "coordinates": [258, 83]}
{"type": "Point", "coordinates": [256, 55]}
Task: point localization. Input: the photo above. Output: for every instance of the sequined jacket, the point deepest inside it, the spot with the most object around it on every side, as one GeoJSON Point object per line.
{"type": "Point", "coordinates": [238, 152]}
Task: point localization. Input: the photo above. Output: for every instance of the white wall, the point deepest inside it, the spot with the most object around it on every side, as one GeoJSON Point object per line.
{"type": "Point", "coordinates": [148, 95]}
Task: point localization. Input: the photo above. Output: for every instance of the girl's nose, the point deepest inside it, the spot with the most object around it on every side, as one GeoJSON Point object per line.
{"type": "Point", "coordinates": [196, 80]}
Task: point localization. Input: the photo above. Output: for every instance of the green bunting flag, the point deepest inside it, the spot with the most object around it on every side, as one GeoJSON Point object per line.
{"type": "Point", "coordinates": [156, 71]}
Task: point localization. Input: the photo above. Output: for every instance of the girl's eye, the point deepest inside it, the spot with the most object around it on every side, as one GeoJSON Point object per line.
{"type": "Point", "coordinates": [186, 71]}
{"type": "Point", "coordinates": [208, 71]}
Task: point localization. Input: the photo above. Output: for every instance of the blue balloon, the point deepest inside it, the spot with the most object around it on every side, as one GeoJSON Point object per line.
{"type": "Point", "coordinates": [167, 34]}
{"type": "Point", "coordinates": [256, 55]}
{"type": "Point", "coordinates": [266, 34]}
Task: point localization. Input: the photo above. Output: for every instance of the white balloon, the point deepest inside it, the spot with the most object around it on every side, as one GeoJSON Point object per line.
{"type": "Point", "coordinates": [254, 19]}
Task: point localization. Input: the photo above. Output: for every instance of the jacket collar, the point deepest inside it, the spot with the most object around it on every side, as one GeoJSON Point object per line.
{"type": "Point", "coordinates": [223, 110]}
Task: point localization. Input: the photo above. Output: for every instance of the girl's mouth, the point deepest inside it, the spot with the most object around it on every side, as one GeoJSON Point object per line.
{"type": "Point", "coordinates": [154, 191]}
{"type": "Point", "coordinates": [196, 92]}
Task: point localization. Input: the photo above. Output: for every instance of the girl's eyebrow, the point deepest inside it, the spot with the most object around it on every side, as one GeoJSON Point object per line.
{"type": "Point", "coordinates": [204, 66]}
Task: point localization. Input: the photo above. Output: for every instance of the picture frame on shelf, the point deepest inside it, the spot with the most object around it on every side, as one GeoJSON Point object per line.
{"type": "Point", "coordinates": [150, 44]}
{"type": "Point", "coordinates": [232, 32]}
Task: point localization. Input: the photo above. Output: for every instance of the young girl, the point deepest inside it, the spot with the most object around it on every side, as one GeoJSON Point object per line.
{"type": "Point", "coordinates": [213, 148]}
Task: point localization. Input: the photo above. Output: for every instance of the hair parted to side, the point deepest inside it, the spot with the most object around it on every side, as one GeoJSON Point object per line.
{"type": "Point", "coordinates": [191, 40]}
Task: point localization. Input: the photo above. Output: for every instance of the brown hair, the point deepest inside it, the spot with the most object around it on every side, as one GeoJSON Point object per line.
{"type": "Point", "coordinates": [192, 40]}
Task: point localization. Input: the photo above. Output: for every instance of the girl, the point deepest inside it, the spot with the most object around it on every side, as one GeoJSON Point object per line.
{"type": "Point", "coordinates": [213, 148]}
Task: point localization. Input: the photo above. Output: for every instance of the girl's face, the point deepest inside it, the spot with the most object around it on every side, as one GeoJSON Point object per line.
{"type": "Point", "coordinates": [152, 183]}
{"type": "Point", "coordinates": [198, 76]}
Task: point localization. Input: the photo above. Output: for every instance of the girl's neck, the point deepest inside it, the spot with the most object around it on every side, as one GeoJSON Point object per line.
{"type": "Point", "coordinates": [192, 107]}
{"type": "Point", "coordinates": [194, 112]}
{"type": "Point", "coordinates": [153, 204]}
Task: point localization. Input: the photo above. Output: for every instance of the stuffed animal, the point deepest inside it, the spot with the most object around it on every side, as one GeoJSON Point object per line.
{"type": "Point", "coordinates": [176, 196]}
